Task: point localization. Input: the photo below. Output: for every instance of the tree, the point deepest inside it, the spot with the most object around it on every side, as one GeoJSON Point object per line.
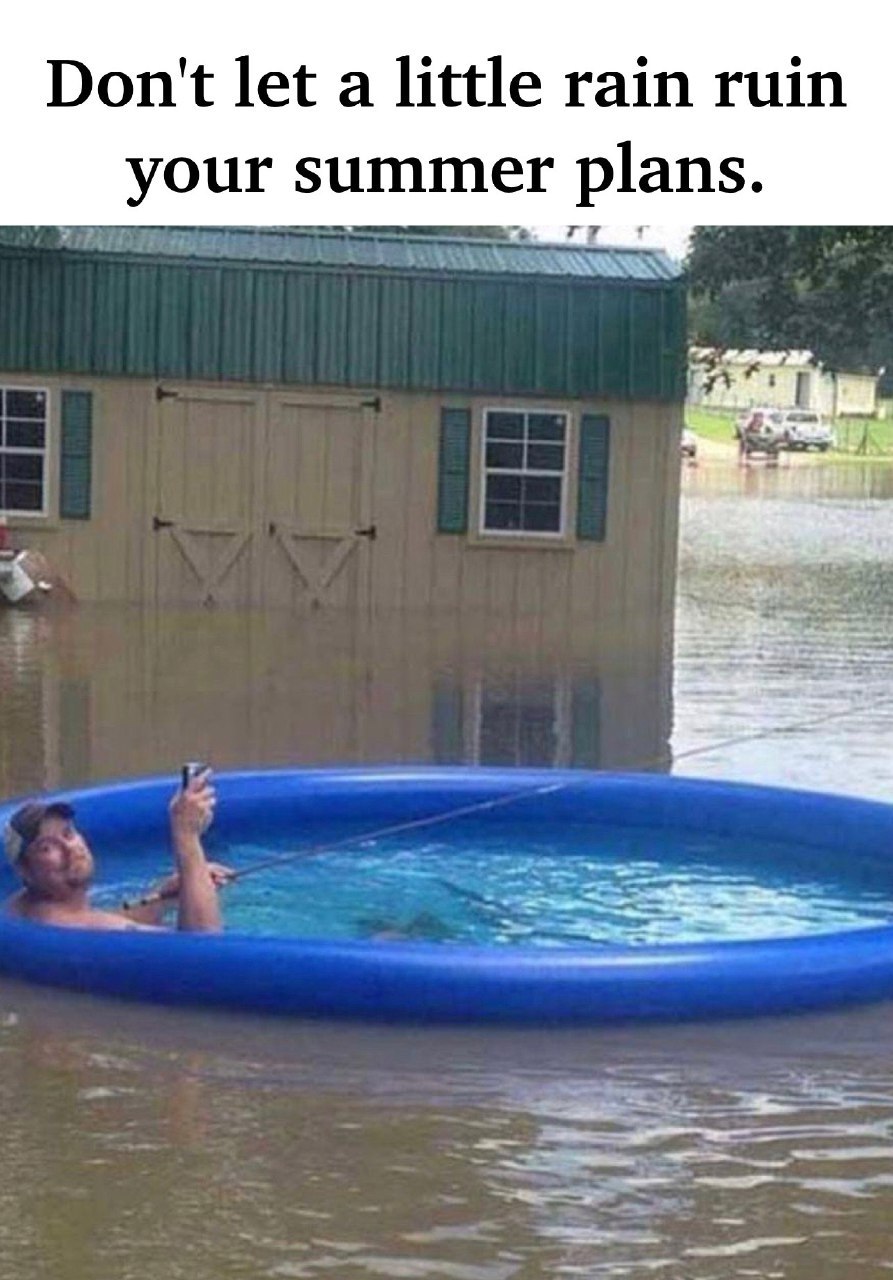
{"type": "Point", "coordinates": [825, 289]}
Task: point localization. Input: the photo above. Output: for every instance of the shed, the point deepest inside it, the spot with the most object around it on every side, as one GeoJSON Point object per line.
{"type": "Point", "coordinates": [302, 418]}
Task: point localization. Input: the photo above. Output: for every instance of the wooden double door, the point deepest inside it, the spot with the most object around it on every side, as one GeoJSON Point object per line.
{"type": "Point", "coordinates": [261, 498]}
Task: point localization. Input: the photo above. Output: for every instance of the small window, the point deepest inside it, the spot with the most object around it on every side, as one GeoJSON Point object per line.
{"type": "Point", "coordinates": [23, 448]}
{"type": "Point", "coordinates": [521, 722]}
{"type": "Point", "coordinates": [525, 457]}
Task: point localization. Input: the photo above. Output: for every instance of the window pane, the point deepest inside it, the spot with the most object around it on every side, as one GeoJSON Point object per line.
{"type": "Point", "coordinates": [505, 455]}
{"type": "Point", "coordinates": [505, 426]}
{"type": "Point", "coordinates": [504, 488]}
{"type": "Point", "coordinates": [542, 489]}
{"type": "Point", "coordinates": [23, 466]}
{"type": "Point", "coordinates": [25, 435]}
{"type": "Point", "coordinates": [545, 457]}
{"type": "Point", "coordinates": [502, 515]}
{"type": "Point", "coordinates": [539, 518]}
{"type": "Point", "coordinates": [545, 426]}
{"type": "Point", "coordinates": [517, 727]}
{"type": "Point", "coordinates": [498, 733]}
{"type": "Point", "coordinates": [20, 496]}
{"type": "Point", "coordinates": [26, 404]}
{"type": "Point", "coordinates": [524, 443]}
{"type": "Point", "coordinates": [536, 736]}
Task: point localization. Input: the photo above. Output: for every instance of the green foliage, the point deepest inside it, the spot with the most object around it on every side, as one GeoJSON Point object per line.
{"type": "Point", "coordinates": [828, 289]}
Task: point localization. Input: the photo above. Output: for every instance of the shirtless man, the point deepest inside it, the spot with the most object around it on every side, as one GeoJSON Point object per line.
{"type": "Point", "coordinates": [56, 867]}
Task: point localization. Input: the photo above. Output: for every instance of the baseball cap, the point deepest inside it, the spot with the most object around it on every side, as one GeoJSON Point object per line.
{"type": "Point", "coordinates": [23, 827]}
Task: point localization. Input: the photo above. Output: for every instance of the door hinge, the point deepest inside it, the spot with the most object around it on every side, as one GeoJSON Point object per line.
{"type": "Point", "coordinates": [374, 404]}
{"type": "Point", "coordinates": [370, 532]}
{"type": "Point", "coordinates": [158, 523]}
{"type": "Point", "coordinates": [162, 394]}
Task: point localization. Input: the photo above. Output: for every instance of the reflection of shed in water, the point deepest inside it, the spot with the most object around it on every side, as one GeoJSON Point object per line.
{"type": "Point", "coordinates": [111, 691]}
{"type": "Point", "coordinates": [265, 418]}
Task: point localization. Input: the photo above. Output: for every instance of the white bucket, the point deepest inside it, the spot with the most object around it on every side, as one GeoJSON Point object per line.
{"type": "Point", "coordinates": [15, 583]}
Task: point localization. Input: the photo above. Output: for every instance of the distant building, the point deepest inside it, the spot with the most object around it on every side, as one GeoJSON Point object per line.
{"type": "Point", "coordinates": [781, 379]}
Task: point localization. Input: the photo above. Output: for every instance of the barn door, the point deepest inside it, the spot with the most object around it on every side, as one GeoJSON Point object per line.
{"type": "Point", "coordinates": [203, 518]}
{"type": "Point", "coordinates": [319, 526]}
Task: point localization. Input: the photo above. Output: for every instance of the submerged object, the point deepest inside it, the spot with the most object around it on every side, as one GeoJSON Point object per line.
{"type": "Point", "coordinates": [441, 982]}
{"type": "Point", "coordinates": [24, 576]}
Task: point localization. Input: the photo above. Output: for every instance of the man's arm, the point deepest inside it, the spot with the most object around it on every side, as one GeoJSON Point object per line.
{"type": "Point", "coordinates": [164, 896]}
{"type": "Point", "coordinates": [191, 812]}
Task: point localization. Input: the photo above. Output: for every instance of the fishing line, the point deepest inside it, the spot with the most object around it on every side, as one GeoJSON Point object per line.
{"type": "Point", "coordinates": [365, 837]}
{"type": "Point", "coordinates": [482, 806]}
{"type": "Point", "coordinates": [796, 727]}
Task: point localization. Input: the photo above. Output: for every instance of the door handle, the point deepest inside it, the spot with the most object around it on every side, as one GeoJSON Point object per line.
{"type": "Point", "coordinates": [158, 523]}
{"type": "Point", "coordinates": [369, 532]}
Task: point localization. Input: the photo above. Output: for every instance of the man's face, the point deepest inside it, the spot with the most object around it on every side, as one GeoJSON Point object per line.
{"type": "Point", "coordinates": [59, 861]}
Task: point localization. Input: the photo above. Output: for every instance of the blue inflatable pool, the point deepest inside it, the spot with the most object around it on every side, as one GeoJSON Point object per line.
{"type": "Point", "coordinates": [429, 982]}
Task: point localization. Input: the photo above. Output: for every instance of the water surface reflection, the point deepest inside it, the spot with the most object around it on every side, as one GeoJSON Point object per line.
{"type": "Point", "coordinates": [243, 1148]}
{"type": "Point", "coordinates": [784, 627]}
{"type": "Point", "coordinates": [106, 691]}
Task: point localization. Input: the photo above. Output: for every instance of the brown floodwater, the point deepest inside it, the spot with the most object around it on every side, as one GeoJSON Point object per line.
{"type": "Point", "coordinates": [151, 1143]}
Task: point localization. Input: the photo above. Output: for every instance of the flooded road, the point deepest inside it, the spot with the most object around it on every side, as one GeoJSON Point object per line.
{"type": "Point", "coordinates": [785, 627]}
{"type": "Point", "coordinates": [164, 1144]}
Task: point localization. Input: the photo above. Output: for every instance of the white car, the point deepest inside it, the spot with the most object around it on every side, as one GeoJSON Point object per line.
{"type": "Point", "coordinates": [689, 443]}
{"type": "Point", "coordinates": [803, 429]}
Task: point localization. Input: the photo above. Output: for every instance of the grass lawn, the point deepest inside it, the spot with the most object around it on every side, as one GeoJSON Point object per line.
{"type": "Point", "coordinates": [856, 437]}
{"type": "Point", "coordinates": [711, 424]}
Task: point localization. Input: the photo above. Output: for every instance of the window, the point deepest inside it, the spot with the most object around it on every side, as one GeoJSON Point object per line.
{"type": "Point", "coordinates": [525, 457]}
{"type": "Point", "coordinates": [521, 721]}
{"type": "Point", "coordinates": [23, 444]}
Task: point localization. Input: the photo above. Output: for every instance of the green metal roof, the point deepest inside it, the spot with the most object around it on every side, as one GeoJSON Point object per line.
{"type": "Point", "coordinates": [342, 309]}
{"type": "Point", "coordinates": [364, 251]}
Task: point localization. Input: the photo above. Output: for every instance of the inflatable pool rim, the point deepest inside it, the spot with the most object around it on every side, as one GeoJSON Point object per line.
{"type": "Point", "coordinates": [436, 983]}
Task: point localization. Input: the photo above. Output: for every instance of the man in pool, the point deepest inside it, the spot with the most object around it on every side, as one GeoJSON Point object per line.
{"type": "Point", "coordinates": [55, 865]}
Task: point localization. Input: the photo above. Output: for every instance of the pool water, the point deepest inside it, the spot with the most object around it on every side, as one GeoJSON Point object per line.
{"type": "Point", "coordinates": [522, 885]}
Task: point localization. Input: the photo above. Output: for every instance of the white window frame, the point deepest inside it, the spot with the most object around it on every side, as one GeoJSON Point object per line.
{"type": "Point", "coordinates": [485, 471]}
{"type": "Point", "coordinates": [562, 756]}
{"type": "Point", "coordinates": [35, 514]}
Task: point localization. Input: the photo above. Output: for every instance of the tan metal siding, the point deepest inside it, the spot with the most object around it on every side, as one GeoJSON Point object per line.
{"type": "Point", "coordinates": [317, 459]}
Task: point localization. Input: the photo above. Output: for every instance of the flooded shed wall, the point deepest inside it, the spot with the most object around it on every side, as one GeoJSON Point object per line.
{"type": "Point", "coordinates": [115, 690]}
{"type": "Point", "coordinates": [314, 497]}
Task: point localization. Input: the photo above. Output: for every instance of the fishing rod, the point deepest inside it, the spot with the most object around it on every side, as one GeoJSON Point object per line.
{"type": "Point", "coordinates": [152, 899]}
{"type": "Point", "coordinates": [364, 837]}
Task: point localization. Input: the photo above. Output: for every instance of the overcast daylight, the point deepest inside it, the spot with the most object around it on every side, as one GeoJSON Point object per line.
{"type": "Point", "coordinates": [672, 239]}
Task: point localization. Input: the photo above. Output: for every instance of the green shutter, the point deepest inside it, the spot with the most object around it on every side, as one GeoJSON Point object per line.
{"type": "Point", "coordinates": [447, 723]}
{"type": "Point", "coordinates": [452, 484]}
{"type": "Point", "coordinates": [76, 455]}
{"type": "Point", "coordinates": [592, 505]}
{"type": "Point", "coordinates": [586, 723]}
